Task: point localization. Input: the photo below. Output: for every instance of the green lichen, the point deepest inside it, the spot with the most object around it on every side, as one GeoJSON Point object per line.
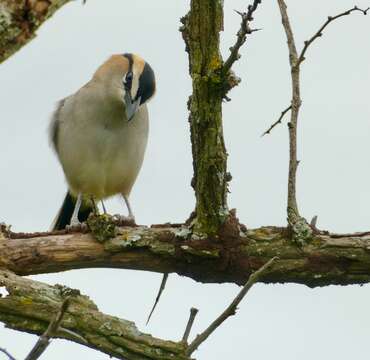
{"type": "Point", "coordinates": [67, 291]}
{"type": "Point", "coordinates": [201, 253]}
{"type": "Point", "coordinates": [139, 238]}
{"type": "Point", "coordinates": [102, 227]}
{"type": "Point", "coordinates": [205, 106]}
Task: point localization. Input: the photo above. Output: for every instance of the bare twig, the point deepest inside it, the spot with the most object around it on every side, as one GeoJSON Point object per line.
{"type": "Point", "coordinates": [161, 288]}
{"type": "Point", "coordinates": [231, 309]}
{"type": "Point", "coordinates": [193, 314]}
{"type": "Point", "coordinates": [299, 225]}
{"type": "Point", "coordinates": [244, 30]}
{"type": "Point", "coordinates": [319, 33]}
{"type": "Point", "coordinates": [292, 208]}
{"type": "Point", "coordinates": [4, 351]}
{"type": "Point", "coordinates": [278, 121]}
{"type": "Point", "coordinates": [44, 340]}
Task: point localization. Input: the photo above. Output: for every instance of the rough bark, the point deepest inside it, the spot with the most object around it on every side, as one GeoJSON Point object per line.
{"type": "Point", "coordinates": [19, 21]}
{"type": "Point", "coordinates": [31, 305]}
{"type": "Point", "coordinates": [326, 259]}
{"type": "Point", "coordinates": [201, 32]}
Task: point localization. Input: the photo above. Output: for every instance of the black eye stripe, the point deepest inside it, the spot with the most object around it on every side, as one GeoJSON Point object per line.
{"type": "Point", "coordinates": [146, 84]}
{"type": "Point", "coordinates": [130, 60]}
{"type": "Point", "coordinates": [127, 80]}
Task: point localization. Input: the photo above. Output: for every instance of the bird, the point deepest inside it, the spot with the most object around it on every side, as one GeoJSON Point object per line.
{"type": "Point", "coordinates": [100, 134]}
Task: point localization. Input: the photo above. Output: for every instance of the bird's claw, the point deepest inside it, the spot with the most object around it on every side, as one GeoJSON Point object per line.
{"type": "Point", "coordinates": [122, 220]}
{"type": "Point", "coordinates": [77, 227]}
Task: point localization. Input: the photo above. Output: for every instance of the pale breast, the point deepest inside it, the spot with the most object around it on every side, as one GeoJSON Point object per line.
{"type": "Point", "coordinates": [100, 151]}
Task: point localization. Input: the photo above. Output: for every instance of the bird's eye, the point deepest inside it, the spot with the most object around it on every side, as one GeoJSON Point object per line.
{"type": "Point", "coordinates": [127, 80]}
{"type": "Point", "coordinates": [129, 76]}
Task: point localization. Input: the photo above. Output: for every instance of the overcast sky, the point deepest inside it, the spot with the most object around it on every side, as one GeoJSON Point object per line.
{"type": "Point", "coordinates": [278, 321]}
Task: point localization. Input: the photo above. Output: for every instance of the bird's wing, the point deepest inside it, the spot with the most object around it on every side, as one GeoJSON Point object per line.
{"type": "Point", "coordinates": [54, 124]}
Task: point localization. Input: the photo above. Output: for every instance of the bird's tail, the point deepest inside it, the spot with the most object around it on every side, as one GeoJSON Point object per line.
{"type": "Point", "coordinates": [64, 215]}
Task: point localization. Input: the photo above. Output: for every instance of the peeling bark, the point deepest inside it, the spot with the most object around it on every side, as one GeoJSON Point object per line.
{"type": "Point", "coordinates": [19, 21]}
{"type": "Point", "coordinates": [31, 305]}
{"type": "Point", "coordinates": [326, 259]}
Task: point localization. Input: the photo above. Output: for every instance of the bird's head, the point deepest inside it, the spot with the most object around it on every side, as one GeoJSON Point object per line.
{"type": "Point", "coordinates": [130, 79]}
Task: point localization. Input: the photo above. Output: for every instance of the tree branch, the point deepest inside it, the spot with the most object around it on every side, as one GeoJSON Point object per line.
{"type": "Point", "coordinates": [201, 32]}
{"type": "Point", "coordinates": [241, 35]}
{"type": "Point", "coordinates": [318, 34]}
{"type": "Point", "coordinates": [4, 351]}
{"type": "Point", "coordinates": [298, 224]}
{"type": "Point", "coordinates": [189, 325]}
{"type": "Point", "coordinates": [326, 259]}
{"type": "Point", "coordinates": [44, 340]}
{"type": "Point", "coordinates": [82, 322]}
{"type": "Point", "coordinates": [231, 309]}
{"type": "Point", "coordinates": [19, 21]}
{"type": "Point", "coordinates": [278, 121]}
{"type": "Point", "coordinates": [301, 230]}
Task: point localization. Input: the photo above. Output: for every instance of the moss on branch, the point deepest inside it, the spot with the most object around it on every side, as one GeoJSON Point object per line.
{"type": "Point", "coordinates": [325, 259]}
{"type": "Point", "coordinates": [31, 305]}
{"type": "Point", "coordinates": [19, 21]}
{"type": "Point", "coordinates": [201, 32]}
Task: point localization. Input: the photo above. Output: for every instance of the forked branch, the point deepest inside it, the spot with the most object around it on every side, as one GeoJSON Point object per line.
{"type": "Point", "coordinates": [301, 230]}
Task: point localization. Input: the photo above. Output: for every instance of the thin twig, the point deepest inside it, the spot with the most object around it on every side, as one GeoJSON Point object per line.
{"type": "Point", "coordinates": [44, 340]}
{"type": "Point", "coordinates": [193, 314]}
{"type": "Point", "coordinates": [231, 309]}
{"type": "Point", "coordinates": [295, 60]}
{"type": "Point", "coordinates": [4, 351]}
{"type": "Point", "coordinates": [241, 35]}
{"type": "Point", "coordinates": [161, 288]}
{"type": "Point", "coordinates": [318, 34]}
{"type": "Point", "coordinates": [278, 121]}
{"type": "Point", "coordinates": [292, 207]}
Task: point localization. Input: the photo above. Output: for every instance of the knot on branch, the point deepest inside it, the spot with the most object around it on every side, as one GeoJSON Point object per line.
{"type": "Point", "coordinates": [5, 231]}
{"type": "Point", "coordinates": [230, 81]}
{"type": "Point", "coordinates": [102, 227]}
{"type": "Point", "coordinates": [301, 231]}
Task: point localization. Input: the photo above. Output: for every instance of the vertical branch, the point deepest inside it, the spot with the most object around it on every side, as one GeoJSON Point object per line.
{"type": "Point", "coordinates": [293, 211]}
{"type": "Point", "coordinates": [296, 222]}
{"type": "Point", "coordinates": [201, 28]}
{"type": "Point", "coordinates": [301, 230]}
{"type": "Point", "coordinates": [211, 80]}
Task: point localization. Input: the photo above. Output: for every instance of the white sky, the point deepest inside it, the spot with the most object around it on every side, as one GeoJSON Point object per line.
{"type": "Point", "coordinates": [281, 321]}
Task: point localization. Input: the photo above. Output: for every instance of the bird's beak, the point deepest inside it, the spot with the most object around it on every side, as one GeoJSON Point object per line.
{"type": "Point", "coordinates": [131, 106]}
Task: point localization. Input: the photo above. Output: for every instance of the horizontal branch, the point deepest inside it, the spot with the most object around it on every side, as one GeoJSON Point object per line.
{"type": "Point", "coordinates": [19, 21]}
{"type": "Point", "coordinates": [325, 259]}
{"type": "Point", "coordinates": [82, 322]}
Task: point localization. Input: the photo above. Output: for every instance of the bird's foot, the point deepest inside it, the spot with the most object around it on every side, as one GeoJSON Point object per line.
{"type": "Point", "coordinates": [76, 226]}
{"type": "Point", "coordinates": [122, 220]}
